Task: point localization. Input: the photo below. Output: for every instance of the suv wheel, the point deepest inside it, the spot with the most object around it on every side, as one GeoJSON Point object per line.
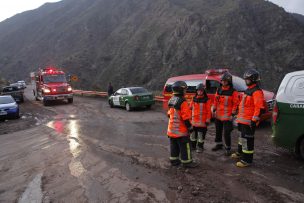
{"type": "Point", "coordinates": [128, 107]}
{"type": "Point", "coordinates": [70, 100]}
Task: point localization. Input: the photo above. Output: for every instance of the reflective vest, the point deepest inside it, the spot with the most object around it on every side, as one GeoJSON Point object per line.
{"type": "Point", "coordinates": [225, 102]}
{"type": "Point", "coordinates": [201, 111]}
{"type": "Point", "coordinates": [178, 112]}
{"type": "Point", "coordinates": [251, 105]}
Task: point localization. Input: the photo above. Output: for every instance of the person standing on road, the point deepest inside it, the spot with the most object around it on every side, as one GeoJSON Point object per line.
{"type": "Point", "coordinates": [110, 89]}
{"type": "Point", "coordinates": [225, 105]}
{"type": "Point", "coordinates": [179, 127]}
{"type": "Point", "coordinates": [201, 115]}
{"type": "Point", "coordinates": [250, 109]}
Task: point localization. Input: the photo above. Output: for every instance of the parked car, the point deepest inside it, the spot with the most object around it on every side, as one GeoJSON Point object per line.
{"type": "Point", "coordinates": [288, 113]}
{"type": "Point", "coordinates": [14, 91]}
{"type": "Point", "coordinates": [18, 85]}
{"type": "Point", "coordinates": [132, 97]}
{"type": "Point", "coordinates": [22, 83]}
{"type": "Point", "coordinates": [8, 107]}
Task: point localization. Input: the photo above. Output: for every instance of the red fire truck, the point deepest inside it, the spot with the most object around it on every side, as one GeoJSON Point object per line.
{"type": "Point", "coordinates": [50, 84]}
{"type": "Point", "coordinates": [211, 79]}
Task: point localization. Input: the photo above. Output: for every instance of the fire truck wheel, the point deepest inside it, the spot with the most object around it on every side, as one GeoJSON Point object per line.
{"type": "Point", "coordinates": [70, 100]}
{"type": "Point", "coordinates": [45, 102]}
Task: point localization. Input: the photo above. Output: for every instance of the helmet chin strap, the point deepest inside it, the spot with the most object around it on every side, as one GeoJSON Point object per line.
{"type": "Point", "coordinates": [249, 84]}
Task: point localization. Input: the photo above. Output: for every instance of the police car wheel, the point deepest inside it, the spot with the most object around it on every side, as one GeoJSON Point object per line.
{"type": "Point", "coordinates": [301, 148]}
{"type": "Point", "coordinates": [111, 104]}
{"type": "Point", "coordinates": [128, 107]}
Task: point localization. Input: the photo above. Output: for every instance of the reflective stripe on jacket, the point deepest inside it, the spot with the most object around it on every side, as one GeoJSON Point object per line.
{"type": "Point", "coordinates": [250, 106]}
{"type": "Point", "coordinates": [177, 115]}
{"type": "Point", "coordinates": [225, 102]}
{"type": "Point", "coordinates": [201, 111]}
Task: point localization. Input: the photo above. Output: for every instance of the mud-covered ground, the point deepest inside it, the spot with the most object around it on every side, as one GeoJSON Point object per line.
{"type": "Point", "coordinates": [88, 152]}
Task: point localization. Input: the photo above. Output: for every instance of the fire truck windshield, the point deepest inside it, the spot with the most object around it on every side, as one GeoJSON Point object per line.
{"type": "Point", "coordinates": [54, 78]}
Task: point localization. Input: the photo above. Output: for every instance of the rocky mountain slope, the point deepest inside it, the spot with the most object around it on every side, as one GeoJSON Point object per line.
{"type": "Point", "coordinates": [143, 42]}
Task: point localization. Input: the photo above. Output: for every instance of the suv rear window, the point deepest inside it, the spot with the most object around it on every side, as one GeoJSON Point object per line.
{"type": "Point", "coordinates": [239, 84]}
{"type": "Point", "coordinates": [211, 86]}
{"type": "Point", "coordinates": [190, 83]}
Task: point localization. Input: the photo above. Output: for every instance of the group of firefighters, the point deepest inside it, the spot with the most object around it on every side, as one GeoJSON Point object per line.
{"type": "Point", "coordinates": [188, 124]}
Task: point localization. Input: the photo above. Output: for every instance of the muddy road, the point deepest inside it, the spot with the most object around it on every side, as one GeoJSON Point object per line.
{"type": "Point", "coordinates": [88, 152]}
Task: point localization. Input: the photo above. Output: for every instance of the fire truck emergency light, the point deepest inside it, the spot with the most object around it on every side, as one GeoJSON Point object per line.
{"type": "Point", "coordinates": [216, 71]}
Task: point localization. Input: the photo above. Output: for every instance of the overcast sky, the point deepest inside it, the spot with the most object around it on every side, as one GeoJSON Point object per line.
{"type": "Point", "coordinates": [8, 8]}
{"type": "Point", "coordinates": [292, 6]}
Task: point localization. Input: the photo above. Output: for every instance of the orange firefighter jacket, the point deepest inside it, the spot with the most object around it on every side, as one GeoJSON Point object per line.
{"type": "Point", "coordinates": [178, 112]}
{"type": "Point", "coordinates": [201, 111]}
{"type": "Point", "coordinates": [226, 101]}
{"type": "Point", "coordinates": [251, 105]}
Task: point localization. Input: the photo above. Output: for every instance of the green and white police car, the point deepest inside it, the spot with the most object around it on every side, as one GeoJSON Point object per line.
{"type": "Point", "coordinates": [288, 113]}
{"type": "Point", "coordinates": [132, 97]}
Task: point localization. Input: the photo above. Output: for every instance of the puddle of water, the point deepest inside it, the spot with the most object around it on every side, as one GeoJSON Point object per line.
{"type": "Point", "coordinates": [74, 136]}
{"type": "Point", "coordinates": [33, 192]}
{"type": "Point", "coordinates": [58, 126]}
{"type": "Point", "coordinates": [294, 196]}
{"type": "Point", "coordinates": [76, 168]}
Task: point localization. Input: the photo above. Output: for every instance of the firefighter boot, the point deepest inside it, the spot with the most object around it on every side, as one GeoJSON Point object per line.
{"type": "Point", "coordinates": [242, 164]}
{"type": "Point", "coordinates": [227, 152]}
{"type": "Point", "coordinates": [190, 165]}
{"type": "Point", "coordinates": [217, 147]}
{"type": "Point", "coordinates": [199, 149]}
{"type": "Point", "coordinates": [236, 155]}
{"type": "Point", "coordinates": [200, 143]}
{"type": "Point", "coordinates": [175, 162]}
{"type": "Point", "coordinates": [193, 141]}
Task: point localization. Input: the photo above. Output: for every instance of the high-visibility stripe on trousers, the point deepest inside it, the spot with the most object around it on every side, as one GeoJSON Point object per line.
{"type": "Point", "coordinates": [180, 150]}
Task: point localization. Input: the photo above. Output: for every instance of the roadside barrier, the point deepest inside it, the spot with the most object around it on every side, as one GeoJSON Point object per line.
{"type": "Point", "coordinates": [105, 94]}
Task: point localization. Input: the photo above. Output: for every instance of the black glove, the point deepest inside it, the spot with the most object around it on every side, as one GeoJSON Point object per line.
{"type": "Point", "coordinates": [252, 124]}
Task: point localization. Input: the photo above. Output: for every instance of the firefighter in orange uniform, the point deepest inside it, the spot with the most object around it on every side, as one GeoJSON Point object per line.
{"type": "Point", "coordinates": [250, 108]}
{"type": "Point", "coordinates": [201, 115]}
{"type": "Point", "coordinates": [225, 105]}
{"type": "Point", "coordinates": [179, 127]}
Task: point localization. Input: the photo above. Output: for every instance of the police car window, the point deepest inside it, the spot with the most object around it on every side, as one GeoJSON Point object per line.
{"type": "Point", "coordinates": [239, 84]}
{"type": "Point", "coordinates": [138, 90]}
{"type": "Point", "coordinates": [118, 92]}
{"type": "Point", "coordinates": [124, 92]}
{"type": "Point", "coordinates": [211, 86]}
{"type": "Point", "coordinates": [54, 78]}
